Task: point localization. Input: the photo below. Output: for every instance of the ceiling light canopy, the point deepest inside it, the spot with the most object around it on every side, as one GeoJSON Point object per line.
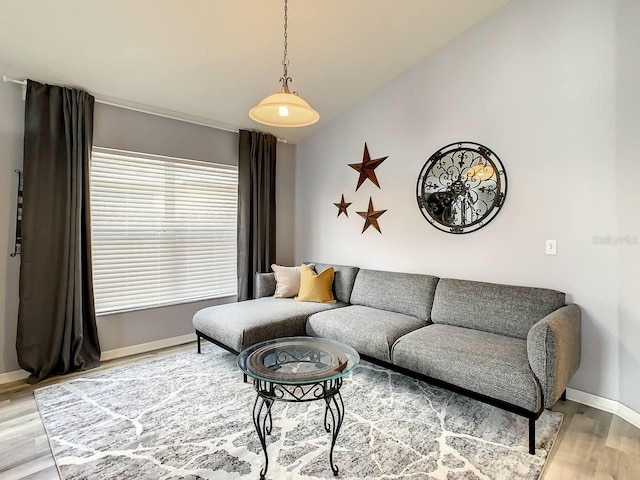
{"type": "Point", "coordinates": [284, 108]}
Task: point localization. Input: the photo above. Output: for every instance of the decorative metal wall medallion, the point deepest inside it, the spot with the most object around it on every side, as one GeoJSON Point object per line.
{"type": "Point", "coordinates": [462, 187]}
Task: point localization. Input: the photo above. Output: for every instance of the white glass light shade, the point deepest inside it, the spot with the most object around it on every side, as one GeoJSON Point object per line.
{"type": "Point", "coordinates": [284, 109]}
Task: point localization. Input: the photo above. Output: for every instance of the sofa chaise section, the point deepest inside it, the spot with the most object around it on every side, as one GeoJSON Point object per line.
{"type": "Point", "coordinates": [236, 326]}
{"type": "Point", "coordinates": [384, 307]}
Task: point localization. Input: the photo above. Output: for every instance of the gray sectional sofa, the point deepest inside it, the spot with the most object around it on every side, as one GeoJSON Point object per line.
{"type": "Point", "coordinates": [510, 346]}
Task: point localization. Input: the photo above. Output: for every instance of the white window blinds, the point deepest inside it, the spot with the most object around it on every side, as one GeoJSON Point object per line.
{"type": "Point", "coordinates": [163, 230]}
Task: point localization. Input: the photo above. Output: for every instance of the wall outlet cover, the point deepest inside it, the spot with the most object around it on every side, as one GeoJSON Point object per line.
{"type": "Point", "coordinates": [550, 247]}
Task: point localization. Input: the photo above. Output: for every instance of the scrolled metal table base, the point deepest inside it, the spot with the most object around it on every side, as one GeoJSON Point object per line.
{"type": "Point", "coordinates": [264, 423]}
{"type": "Point", "coordinates": [269, 392]}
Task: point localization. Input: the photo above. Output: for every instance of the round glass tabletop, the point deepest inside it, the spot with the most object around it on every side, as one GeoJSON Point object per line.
{"type": "Point", "coordinates": [298, 360]}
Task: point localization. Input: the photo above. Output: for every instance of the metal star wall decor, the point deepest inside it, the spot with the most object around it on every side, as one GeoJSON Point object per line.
{"type": "Point", "coordinates": [342, 206]}
{"type": "Point", "coordinates": [371, 217]}
{"type": "Point", "coordinates": [367, 168]}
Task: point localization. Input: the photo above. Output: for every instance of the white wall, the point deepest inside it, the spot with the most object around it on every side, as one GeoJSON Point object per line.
{"type": "Point", "coordinates": [628, 170]}
{"type": "Point", "coordinates": [134, 131]}
{"type": "Point", "coordinates": [536, 83]}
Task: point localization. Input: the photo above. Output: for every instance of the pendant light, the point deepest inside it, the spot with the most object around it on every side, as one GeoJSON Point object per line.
{"type": "Point", "coordinates": [284, 108]}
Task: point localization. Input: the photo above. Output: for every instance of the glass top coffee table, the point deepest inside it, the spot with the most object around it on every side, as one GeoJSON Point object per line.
{"type": "Point", "coordinates": [298, 369]}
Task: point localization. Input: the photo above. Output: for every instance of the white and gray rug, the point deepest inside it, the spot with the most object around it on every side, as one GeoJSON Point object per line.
{"type": "Point", "coordinates": [188, 417]}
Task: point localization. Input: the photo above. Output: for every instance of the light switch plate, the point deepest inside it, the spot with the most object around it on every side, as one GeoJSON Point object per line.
{"type": "Point", "coordinates": [550, 248]}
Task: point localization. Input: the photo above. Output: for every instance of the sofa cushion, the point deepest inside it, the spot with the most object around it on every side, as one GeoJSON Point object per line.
{"type": "Point", "coordinates": [316, 287]}
{"type": "Point", "coordinates": [407, 293]}
{"type": "Point", "coordinates": [493, 365]}
{"type": "Point", "coordinates": [265, 284]}
{"type": "Point", "coordinates": [503, 309]}
{"type": "Point", "coordinates": [370, 331]}
{"type": "Point", "coordinates": [240, 325]}
{"type": "Point", "coordinates": [343, 279]}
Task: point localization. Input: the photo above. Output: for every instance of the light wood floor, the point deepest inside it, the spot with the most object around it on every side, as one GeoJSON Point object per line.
{"type": "Point", "coordinates": [591, 444]}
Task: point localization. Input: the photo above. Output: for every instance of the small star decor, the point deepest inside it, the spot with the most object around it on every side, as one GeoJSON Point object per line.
{"type": "Point", "coordinates": [342, 206]}
{"type": "Point", "coordinates": [367, 168]}
{"type": "Point", "coordinates": [371, 217]}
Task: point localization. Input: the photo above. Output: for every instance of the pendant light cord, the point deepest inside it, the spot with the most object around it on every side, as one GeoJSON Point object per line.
{"type": "Point", "coordinates": [285, 62]}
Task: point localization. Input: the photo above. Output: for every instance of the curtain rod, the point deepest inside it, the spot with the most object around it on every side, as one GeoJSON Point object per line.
{"type": "Point", "coordinates": [13, 80]}
{"type": "Point", "coordinates": [135, 109]}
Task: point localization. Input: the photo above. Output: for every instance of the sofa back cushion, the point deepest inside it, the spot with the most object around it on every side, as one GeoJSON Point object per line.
{"type": "Point", "coordinates": [503, 309]}
{"type": "Point", "coordinates": [343, 279]}
{"type": "Point", "coordinates": [407, 293]}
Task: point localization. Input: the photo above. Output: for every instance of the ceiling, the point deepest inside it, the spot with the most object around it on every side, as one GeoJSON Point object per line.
{"type": "Point", "coordinates": [210, 61]}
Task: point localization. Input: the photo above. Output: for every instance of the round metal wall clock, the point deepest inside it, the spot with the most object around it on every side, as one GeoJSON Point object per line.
{"type": "Point", "coordinates": [462, 187]}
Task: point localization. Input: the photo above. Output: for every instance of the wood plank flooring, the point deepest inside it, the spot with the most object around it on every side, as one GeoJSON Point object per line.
{"type": "Point", "coordinates": [591, 444]}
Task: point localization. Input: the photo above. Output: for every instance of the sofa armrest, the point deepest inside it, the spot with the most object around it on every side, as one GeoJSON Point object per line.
{"type": "Point", "coordinates": [265, 284]}
{"type": "Point", "coordinates": [553, 347]}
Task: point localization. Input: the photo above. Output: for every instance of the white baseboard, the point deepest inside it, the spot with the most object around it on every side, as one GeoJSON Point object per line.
{"type": "Point", "coordinates": [117, 353]}
{"type": "Point", "coordinates": [605, 404]}
{"type": "Point", "coordinates": [147, 347]}
{"type": "Point", "coordinates": [629, 415]}
{"type": "Point", "coordinates": [13, 376]}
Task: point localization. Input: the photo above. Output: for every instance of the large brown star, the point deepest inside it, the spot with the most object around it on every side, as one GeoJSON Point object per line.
{"type": "Point", "coordinates": [367, 167]}
{"type": "Point", "coordinates": [342, 206]}
{"type": "Point", "coordinates": [371, 217]}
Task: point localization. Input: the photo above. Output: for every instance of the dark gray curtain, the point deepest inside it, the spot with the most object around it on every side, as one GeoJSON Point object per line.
{"type": "Point", "coordinates": [256, 208]}
{"type": "Point", "coordinates": [56, 320]}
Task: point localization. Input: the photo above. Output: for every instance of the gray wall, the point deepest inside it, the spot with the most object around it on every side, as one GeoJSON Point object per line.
{"type": "Point", "coordinates": [536, 82]}
{"type": "Point", "coordinates": [285, 202]}
{"type": "Point", "coordinates": [11, 138]}
{"type": "Point", "coordinates": [138, 132]}
{"type": "Point", "coordinates": [628, 170]}
{"type": "Point", "coordinates": [127, 130]}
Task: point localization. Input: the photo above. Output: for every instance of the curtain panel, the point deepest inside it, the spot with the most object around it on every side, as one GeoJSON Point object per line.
{"type": "Point", "coordinates": [57, 330]}
{"type": "Point", "coordinates": [256, 208]}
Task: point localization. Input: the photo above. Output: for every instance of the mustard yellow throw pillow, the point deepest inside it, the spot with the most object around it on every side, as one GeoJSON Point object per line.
{"type": "Point", "coordinates": [315, 287]}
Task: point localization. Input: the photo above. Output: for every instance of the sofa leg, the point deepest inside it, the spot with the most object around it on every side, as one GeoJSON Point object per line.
{"type": "Point", "coordinates": [199, 346]}
{"type": "Point", "coordinates": [532, 436]}
{"type": "Point", "coordinates": [563, 397]}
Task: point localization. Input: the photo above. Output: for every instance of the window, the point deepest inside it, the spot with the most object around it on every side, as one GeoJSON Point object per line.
{"type": "Point", "coordinates": [163, 230]}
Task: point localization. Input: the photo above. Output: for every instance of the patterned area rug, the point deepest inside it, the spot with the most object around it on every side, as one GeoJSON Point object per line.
{"type": "Point", "coordinates": [189, 417]}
